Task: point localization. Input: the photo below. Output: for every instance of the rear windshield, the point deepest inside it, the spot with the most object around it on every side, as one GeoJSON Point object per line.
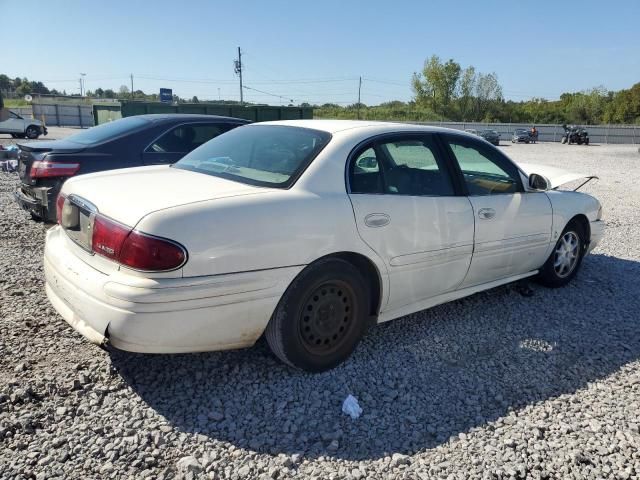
{"type": "Point", "coordinates": [263, 155]}
{"type": "Point", "coordinates": [107, 131]}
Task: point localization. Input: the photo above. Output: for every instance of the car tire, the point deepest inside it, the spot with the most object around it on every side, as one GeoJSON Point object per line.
{"type": "Point", "coordinates": [321, 317]}
{"type": "Point", "coordinates": [563, 140]}
{"type": "Point", "coordinates": [566, 258]}
{"type": "Point", "coordinates": [586, 141]}
{"type": "Point", "coordinates": [32, 132]}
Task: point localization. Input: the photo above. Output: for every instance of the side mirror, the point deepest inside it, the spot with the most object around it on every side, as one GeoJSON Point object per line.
{"type": "Point", "coordinates": [538, 182]}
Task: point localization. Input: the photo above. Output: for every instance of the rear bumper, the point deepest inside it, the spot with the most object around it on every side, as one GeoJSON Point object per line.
{"type": "Point", "coordinates": [162, 315]}
{"type": "Point", "coordinates": [36, 201]}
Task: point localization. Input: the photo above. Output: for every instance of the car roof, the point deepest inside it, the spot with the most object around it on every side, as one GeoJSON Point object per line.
{"type": "Point", "coordinates": [182, 117]}
{"type": "Point", "coordinates": [335, 126]}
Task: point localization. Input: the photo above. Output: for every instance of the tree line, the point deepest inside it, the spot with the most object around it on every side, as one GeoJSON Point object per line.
{"type": "Point", "coordinates": [19, 87]}
{"type": "Point", "coordinates": [443, 90]}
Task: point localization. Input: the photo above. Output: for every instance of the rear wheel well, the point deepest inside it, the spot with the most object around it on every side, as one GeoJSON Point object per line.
{"type": "Point", "coordinates": [370, 274]}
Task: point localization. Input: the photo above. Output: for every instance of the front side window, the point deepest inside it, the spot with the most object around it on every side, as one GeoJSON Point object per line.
{"type": "Point", "coordinates": [185, 138]}
{"type": "Point", "coordinates": [263, 155]}
{"type": "Point", "coordinates": [484, 171]}
{"type": "Point", "coordinates": [403, 166]}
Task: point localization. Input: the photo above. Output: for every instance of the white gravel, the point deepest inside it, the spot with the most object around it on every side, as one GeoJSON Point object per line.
{"type": "Point", "coordinates": [497, 385]}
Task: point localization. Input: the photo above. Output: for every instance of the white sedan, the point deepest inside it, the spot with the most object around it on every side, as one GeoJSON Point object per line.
{"type": "Point", "coordinates": [308, 232]}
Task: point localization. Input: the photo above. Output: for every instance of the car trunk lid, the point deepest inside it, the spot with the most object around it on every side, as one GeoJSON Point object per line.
{"type": "Point", "coordinates": [31, 152]}
{"type": "Point", "coordinates": [127, 195]}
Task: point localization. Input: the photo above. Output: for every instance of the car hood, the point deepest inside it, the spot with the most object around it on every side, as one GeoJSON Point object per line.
{"type": "Point", "coordinates": [556, 176]}
{"type": "Point", "coordinates": [59, 146]}
{"type": "Point", "coordinates": [127, 195]}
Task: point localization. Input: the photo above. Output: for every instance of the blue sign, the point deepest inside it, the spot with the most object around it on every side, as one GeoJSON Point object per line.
{"type": "Point", "coordinates": [166, 95]}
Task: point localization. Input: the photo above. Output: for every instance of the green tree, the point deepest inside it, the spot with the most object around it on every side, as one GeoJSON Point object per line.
{"type": "Point", "coordinates": [5, 83]}
{"type": "Point", "coordinates": [436, 85]}
{"type": "Point", "coordinates": [466, 90]}
{"type": "Point", "coordinates": [488, 92]}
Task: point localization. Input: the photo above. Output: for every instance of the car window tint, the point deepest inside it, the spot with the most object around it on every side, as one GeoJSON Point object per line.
{"type": "Point", "coordinates": [413, 169]}
{"type": "Point", "coordinates": [185, 138]}
{"type": "Point", "coordinates": [483, 174]}
{"type": "Point", "coordinates": [364, 174]}
{"type": "Point", "coordinates": [109, 130]}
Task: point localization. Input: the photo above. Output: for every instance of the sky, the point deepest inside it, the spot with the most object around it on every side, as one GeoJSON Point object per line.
{"type": "Point", "coordinates": [316, 51]}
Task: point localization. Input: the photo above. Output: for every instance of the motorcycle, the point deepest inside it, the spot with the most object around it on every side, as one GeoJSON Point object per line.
{"type": "Point", "coordinates": [574, 134]}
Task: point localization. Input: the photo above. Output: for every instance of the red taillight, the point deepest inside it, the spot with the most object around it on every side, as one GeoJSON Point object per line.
{"type": "Point", "coordinates": [145, 252]}
{"type": "Point", "coordinates": [134, 249]}
{"type": "Point", "coordinates": [108, 237]}
{"type": "Point", "coordinates": [59, 206]}
{"type": "Point", "coordinates": [46, 169]}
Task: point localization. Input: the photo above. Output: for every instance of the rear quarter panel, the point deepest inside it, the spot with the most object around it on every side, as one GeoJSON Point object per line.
{"type": "Point", "coordinates": [262, 231]}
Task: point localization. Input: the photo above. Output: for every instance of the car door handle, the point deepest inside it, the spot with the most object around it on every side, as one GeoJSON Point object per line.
{"type": "Point", "coordinates": [375, 220]}
{"type": "Point", "coordinates": [486, 213]}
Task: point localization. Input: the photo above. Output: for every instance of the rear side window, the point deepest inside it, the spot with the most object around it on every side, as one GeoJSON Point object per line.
{"type": "Point", "coordinates": [403, 166]}
{"type": "Point", "coordinates": [184, 138]}
{"type": "Point", "coordinates": [485, 171]}
{"type": "Point", "coordinates": [109, 130]}
{"type": "Point", "coordinates": [263, 155]}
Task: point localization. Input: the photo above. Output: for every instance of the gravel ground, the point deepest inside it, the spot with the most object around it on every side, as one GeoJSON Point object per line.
{"type": "Point", "coordinates": [496, 386]}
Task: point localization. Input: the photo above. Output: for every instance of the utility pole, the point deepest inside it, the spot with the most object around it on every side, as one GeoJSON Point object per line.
{"type": "Point", "coordinates": [132, 86]}
{"type": "Point", "coordinates": [359, 90]}
{"type": "Point", "coordinates": [238, 70]}
{"type": "Point", "coordinates": [82, 85]}
{"type": "Point", "coordinates": [219, 94]}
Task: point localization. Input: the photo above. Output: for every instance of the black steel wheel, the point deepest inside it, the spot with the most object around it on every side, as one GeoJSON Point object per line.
{"type": "Point", "coordinates": [321, 317]}
{"type": "Point", "coordinates": [327, 317]}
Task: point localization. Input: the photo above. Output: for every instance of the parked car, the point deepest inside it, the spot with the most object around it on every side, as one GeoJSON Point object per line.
{"type": "Point", "coordinates": [19, 127]}
{"type": "Point", "coordinates": [128, 142]}
{"type": "Point", "coordinates": [520, 135]}
{"type": "Point", "coordinates": [308, 231]}
{"type": "Point", "coordinates": [490, 136]}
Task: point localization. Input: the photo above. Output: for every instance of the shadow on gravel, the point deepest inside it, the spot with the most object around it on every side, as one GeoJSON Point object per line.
{"type": "Point", "coordinates": [420, 380]}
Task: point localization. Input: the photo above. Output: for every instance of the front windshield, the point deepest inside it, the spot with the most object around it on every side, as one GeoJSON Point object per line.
{"type": "Point", "coordinates": [108, 130]}
{"type": "Point", "coordinates": [263, 155]}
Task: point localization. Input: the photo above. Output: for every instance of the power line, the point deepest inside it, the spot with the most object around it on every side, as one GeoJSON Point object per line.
{"type": "Point", "coordinates": [270, 94]}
